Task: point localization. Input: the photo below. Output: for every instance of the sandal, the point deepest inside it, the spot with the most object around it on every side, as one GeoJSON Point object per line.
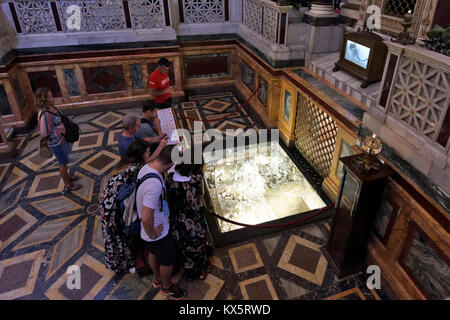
{"type": "Point", "coordinates": [74, 177]}
{"type": "Point", "coordinates": [73, 187]}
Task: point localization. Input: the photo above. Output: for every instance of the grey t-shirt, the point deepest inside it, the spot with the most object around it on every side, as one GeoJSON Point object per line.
{"type": "Point", "coordinates": [147, 130]}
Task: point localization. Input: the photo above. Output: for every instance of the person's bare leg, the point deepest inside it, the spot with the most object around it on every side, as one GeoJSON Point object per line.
{"type": "Point", "coordinates": [154, 264]}
{"type": "Point", "coordinates": [65, 175]}
{"type": "Point", "coordinates": [166, 273]}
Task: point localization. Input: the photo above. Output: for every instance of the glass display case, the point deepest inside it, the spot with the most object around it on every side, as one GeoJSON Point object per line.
{"type": "Point", "coordinates": [256, 184]}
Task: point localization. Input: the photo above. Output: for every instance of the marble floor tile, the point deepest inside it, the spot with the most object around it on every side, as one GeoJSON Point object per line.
{"type": "Point", "coordinates": [245, 257]}
{"type": "Point", "coordinates": [18, 275]}
{"type": "Point", "coordinates": [259, 288]}
{"type": "Point", "coordinates": [67, 247]}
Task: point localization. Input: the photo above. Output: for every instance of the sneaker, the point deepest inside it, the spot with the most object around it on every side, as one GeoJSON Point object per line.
{"type": "Point", "coordinates": [156, 283]}
{"type": "Point", "coordinates": [174, 292]}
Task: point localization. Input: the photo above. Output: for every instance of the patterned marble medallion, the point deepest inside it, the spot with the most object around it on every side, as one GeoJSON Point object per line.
{"type": "Point", "coordinates": [293, 290]}
{"type": "Point", "coordinates": [245, 257]}
{"type": "Point", "coordinates": [18, 275]}
{"type": "Point", "coordinates": [46, 184]}
{"type": "Point", "coordinates": [101, 162]}
{"type": "Point", "coordinates": [14, 177]}
{"type": "Point", "coordinates": [93, 278]}
{"type": "Point", "coordinates": [88, 141]}
{"type": "Point", "coordinates": [46, 232]}
{"type": "Point", "coordinates": [57, 205]}
{"type": "Point", "coordinates": [130, 287]}
{"type": "Point", "coordinates": [67, 247]}
{"type": "Point", "coordinates": [113, 137]}
{"type": "Point", "coordinates": [11, 197]}
{"type": "Point", "coordinates": [304, 259]}
{"type": "Point", "coordinates": [35, 162]}
{"type": "Point", "coordinates": [86, 191]}
{"type": "Point", "coordinates": [216, 105]}
{"type": "Point", "coordinates": [13, 225]}
{"type": "Point", "coordinates": [259, 288]}
{"type": "Point", "coordinates": [108, 120]}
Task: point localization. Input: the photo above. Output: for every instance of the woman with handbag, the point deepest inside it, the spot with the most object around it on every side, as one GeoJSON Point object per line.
{"type": "Point", "coordinates": [52, 132]}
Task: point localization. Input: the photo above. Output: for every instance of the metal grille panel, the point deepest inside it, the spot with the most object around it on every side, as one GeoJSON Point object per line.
{"type": "Point", "coordinates": [315, 135]}
{"type": "Point", "coordinates": [399, 8]}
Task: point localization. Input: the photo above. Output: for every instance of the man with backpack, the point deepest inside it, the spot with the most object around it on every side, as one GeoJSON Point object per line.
{"type": "Point", "coordinates": [153, 211]}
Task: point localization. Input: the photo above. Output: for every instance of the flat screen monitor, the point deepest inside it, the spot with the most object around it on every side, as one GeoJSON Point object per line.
{"type": "Point", "coordinates": [357, 53]}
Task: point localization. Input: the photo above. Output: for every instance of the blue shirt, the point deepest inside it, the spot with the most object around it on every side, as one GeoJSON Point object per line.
{"type": "Point", "coordinates": [124, 143]}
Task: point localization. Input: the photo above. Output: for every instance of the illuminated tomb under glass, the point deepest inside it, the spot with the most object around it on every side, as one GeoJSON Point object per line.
{"type": "Point", "coordinates": [257, 184]}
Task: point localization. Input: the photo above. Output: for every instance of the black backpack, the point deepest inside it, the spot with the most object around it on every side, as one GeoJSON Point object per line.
{"type": "Point", "coordinates": [72, 129]}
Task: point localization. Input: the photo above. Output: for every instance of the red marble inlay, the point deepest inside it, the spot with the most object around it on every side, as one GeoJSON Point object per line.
{"type": "Point", "coordinates": [48, 183]}
{"type": "Point", "coordinates": [101, 162]}
{"type": "Point", "coordinates": [109, 119]}
{"type": "Point", "coordinates": [104, 79]}
{"type": "Point", "coordinates": [258, 291]}
{"type": "Point", "coordinates": [15, 276]}
{"type": "Point", "coordinates": [305, 258]}
{"type": "Point", "coordinates": [87, 141]}
{"type": "Point", "coordinates": [245, 257]}
{"type": "Point", "coordinates": [46, 79]}
{"type": "Point", "coordinates": [89, 279]}
{"type": "Point", "coordinates": [11, 226]}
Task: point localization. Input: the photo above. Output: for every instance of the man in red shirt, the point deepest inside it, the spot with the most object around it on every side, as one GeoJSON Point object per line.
{"type": "Point", "coordinates": [159, 84]}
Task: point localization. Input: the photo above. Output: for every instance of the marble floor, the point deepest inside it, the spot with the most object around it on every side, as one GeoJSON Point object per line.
{"type": "Point", "coordinates": [43, 231]}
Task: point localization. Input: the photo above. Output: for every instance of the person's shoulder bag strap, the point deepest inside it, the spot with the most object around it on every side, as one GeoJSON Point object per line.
{"type": "Point", "coordinates": [148, 176]}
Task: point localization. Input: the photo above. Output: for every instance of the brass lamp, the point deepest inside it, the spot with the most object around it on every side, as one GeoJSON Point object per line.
{"type": "Point", "coordinates": [371, 147]}
{"type": "Point", "coordinates": [404, 38]}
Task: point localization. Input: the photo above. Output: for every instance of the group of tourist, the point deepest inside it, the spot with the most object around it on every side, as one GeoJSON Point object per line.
{"type": "Point", "coordinates": [172, 229]}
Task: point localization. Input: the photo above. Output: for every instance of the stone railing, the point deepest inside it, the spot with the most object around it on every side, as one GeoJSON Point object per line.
{"type": "Point", "coordinates": [267, 19]}
{"type": "Point", "coordinates": [419, 94]}
{"type": "Point", "coordinates": [203, 11]}
{"type": "Point", "coordinates": [412, 112]}
{"type": "Point", "coordinates": [40, 17]}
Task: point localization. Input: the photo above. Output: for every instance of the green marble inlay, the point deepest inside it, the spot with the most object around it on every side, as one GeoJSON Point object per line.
{"type": "Point", "coordinates": [348, 105]}
{"type": "Point", "coordinates": [131, 288]}
{"type": "Point", "coordinates": [422, 181]}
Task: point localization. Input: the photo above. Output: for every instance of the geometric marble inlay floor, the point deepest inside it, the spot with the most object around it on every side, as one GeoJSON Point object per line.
{"type": "Point", "coordinates": [43, 230]}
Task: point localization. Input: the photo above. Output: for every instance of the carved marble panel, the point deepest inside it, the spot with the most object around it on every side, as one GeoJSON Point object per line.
{"type": "Point", "coordinates": [147, 14]}
{"type": "Point", "coordinates": [207, 65]}
{"type": "Point", "coordinates": [252, 15]}
{"type": "Point", "coordinates": [428, 267]}
{"type": "Point", "coordinates": [5, 107]}
{"type": "Point", "coordinates": [71, 82]}
{"type": "Point", "coordinates": [136, 76]}
{"type": "Point", "coordinates": [35, 16]}
{"type": "Point", "coordinates": [96, 15]}
{"type": "Point", "coordinates": [46, 79]}
{"type": "Point", "coordinates": [104, 79]}
{"type": "Point", "coordinates": [419, 96]}
{"type": "Point", "coordinates": [248, 75]}
{"type": "Point", "coordinates": [263, 89]}
{"type": "Point", "coordinates": [203, 11]}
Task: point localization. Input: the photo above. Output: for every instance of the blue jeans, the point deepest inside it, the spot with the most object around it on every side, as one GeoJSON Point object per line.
{"type": "Point", "coordinates": [61, 153]}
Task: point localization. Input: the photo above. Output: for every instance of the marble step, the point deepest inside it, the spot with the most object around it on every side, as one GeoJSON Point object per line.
{"type": "Point", "coordinates": [323, 67]}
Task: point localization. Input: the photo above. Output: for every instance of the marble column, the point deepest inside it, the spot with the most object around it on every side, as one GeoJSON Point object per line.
{"type": "Point", "coordinates": [322, 8]}
{"type": "Point", "coordinates": [325, 31]}
{"type": "Point", "coordinates": [351, 11]}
